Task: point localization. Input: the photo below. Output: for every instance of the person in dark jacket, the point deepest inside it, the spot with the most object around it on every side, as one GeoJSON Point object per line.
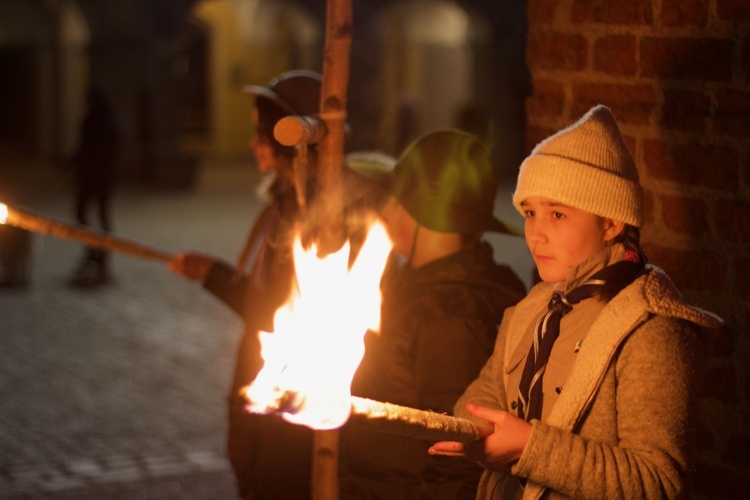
{"type": "Point", "coordinates": [272, 459]}
{"type": "Point", "coordinates": [94, 178]}
{"type": "Point", "coordinates": [263, 449]}
{"type": "Point", "coordinates": [443, 298]}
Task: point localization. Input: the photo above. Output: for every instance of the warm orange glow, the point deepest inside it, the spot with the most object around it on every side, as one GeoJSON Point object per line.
{"type": "Point", "coordinates": [3, 213]}
{"type": "Point", "coordinates": [319, 335]}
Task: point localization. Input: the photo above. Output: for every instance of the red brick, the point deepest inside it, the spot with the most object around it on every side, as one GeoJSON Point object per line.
{"type": "Point", "coordinates": [733, 10]}
{"type": "Point", "coordinates": [648, 207]}
{"type": "Point", "coordinates": [732, 113]}
{"type": "Point", "coordinates": [685, 215]}
{"type": "Point", "coordinates": [704, 438]}
{"type": "Point", "coordinates": [541, 11]}
{"type": "Point", "coordinates": [631, 104]}
{"type": "Point", "coordinates": [630, 142]}
{"type": "Point", "coordinates": [733, 220]}
{"type": "Point", "coordinates": [535, 135]}
{"type": "Point", "coordinates": [711, 166]}
{"type": "Point", "coordinates": [738, 452]}
{"type": "Point", "coordinates": [631, 12]}
{"type": "Point", "coordinates": [691, 269]}
{"type": "Point", "coordinates": [723, 344]}
{"type": "Point", "coordinates": [615, 55]}
{"type": "Point", "coordinates": [714, 481]}
{"type": "Point", "coordinates": [684, 12]}
{"type": "Point", "coordinates": [554, 51]}
{"type": "Point", "coordinates": [685, 110]}
{"type": "Point", "coordinates": [547, 99]}
{"type": "Point", "coordinates": [743, 282]}
{"type": "Point", "coordinates": [721, 384]}
{"type": "Point", "coordinates": [705, 59]}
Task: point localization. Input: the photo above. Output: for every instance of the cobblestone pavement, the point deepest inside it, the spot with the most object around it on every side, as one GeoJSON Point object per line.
{"type": "Point", "coordinates": [119, 392]}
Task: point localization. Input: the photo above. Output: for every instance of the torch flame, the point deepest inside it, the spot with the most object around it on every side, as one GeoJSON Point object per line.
{"type": "Point", "coordinates": [3, 213]}
{"type": "Point", "coordinates": [310, 360]}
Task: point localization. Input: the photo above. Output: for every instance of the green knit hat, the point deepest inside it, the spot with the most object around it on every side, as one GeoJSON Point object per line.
{"type": "Point", "coordinates": [447, 181]}
{"type": "Point", "coordinates": [585, 166]}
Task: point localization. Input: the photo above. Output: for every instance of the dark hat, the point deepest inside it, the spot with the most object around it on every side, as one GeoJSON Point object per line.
{"type": "Point", "coordinates": [296, 92]}
{"type": "Point", "coordinates": [448, 182]}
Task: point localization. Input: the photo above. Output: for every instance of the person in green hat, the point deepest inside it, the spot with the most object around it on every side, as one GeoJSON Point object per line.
{"type": "Point", "coordinates": [443, 299]}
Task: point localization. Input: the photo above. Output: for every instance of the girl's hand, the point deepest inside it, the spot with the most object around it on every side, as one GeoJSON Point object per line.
{"type": "Point", "coordinates": [499, 449]}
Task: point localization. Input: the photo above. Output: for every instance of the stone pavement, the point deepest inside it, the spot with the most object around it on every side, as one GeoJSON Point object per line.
{"type": "Point", "coordinates": [119, 392]}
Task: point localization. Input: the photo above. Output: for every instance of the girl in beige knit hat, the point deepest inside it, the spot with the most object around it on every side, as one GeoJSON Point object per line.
{"type": "Point", "coordinates": [590, 388]}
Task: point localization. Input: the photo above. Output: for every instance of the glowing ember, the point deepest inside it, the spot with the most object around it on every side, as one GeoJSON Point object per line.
{"type": "Point", "coordinates": [3, 213]}
{"type": "Point", "coordinates": [318, 342]}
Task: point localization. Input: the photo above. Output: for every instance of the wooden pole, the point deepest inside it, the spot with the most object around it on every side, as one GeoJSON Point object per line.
{"type": "Point", "coordinates": [333, 113]}
{"type": "Point", "coordinates": [339, 27]}
{"type": "Point", "coordinates": [89, 236]}
{"type": "Point", "coordinates": [404, 421]}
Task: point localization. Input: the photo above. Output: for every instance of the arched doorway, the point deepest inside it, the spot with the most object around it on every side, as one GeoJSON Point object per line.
{"type": "Point", "coordinates": [242, 42]}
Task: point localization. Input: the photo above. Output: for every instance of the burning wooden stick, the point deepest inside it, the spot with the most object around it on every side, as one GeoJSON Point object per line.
{"type": "Point", "coordinates": [405, 421]}
{"type": "Point", "coordinates": [92, 237]}
{"type": "Point", "coordinates": [385, 417]}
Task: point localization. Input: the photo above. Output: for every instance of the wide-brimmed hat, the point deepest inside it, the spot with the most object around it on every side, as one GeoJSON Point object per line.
{"type": "Point", "coordinates": [447, 181]}
{"type": "Point", "coordinates": [296, 92]}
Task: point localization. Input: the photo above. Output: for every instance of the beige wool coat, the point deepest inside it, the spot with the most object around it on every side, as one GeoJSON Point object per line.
{"type": "Point", "coordinates": [620, 425]}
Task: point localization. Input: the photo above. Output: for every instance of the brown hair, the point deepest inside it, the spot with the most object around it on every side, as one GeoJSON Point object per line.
{"type": "Point", "coordinates": [630, 238]}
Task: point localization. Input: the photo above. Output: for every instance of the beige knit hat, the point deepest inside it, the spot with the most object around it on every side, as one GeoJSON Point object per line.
{"type": "Point", "coordinates": [586, 166]}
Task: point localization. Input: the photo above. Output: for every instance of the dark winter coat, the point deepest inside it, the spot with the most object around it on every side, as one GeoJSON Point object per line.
{"type": "Point", "coordinates": [438, 327]}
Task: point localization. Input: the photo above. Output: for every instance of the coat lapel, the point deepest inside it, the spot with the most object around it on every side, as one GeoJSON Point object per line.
{"type": "Point", "coordinates": [610, 329]}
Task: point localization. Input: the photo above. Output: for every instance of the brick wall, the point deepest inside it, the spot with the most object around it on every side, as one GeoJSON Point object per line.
{"type": "Point", "coordinates": [676, 74]}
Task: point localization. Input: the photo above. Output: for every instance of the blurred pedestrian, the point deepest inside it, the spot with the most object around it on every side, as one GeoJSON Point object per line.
{"type": "Point", "coordinates": [443, 297]}
{"type": "Point", "coordinates": [15, 257]}
{"type": "Point", "coordinates": [94, 176]}
{"type": "Point", "coordinates": [16, 244]}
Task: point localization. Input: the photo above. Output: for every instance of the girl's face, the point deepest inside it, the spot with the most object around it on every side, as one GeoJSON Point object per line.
{"type": "Point", "coordinates": [399, 225]}
{"type": "Point", "coordinates": [560, 237]}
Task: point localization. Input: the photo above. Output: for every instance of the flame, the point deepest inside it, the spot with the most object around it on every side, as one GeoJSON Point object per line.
{"type": "Point", "coordinates": [3, 213]}
{"type": "Point", "coordinates": [310, 360]}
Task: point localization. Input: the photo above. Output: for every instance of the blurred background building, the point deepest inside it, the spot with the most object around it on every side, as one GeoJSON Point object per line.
{"type": "Point", "coordinates": [175, 70]}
